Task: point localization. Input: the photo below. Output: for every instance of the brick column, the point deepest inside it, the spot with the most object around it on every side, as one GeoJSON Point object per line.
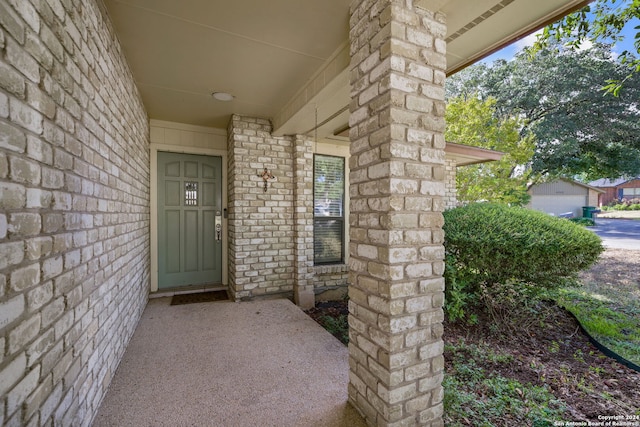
{"type": "Point", "coordinates": [303, 291]}
{"type": "Point", "coordinates": [397, 187]}
{"type": "Point", "coordinates": [451, 192]}
{"type": "Point", "coordinates": [261, 249]}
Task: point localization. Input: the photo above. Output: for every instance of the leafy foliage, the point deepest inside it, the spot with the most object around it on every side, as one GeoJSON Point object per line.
{"type": "Point", "coordinates": [472, 121]}
{"type": "Point", "coordinates": [623, 205]}
{"type": "Point", "coordinates": [608, 18]}
{"type": "Point", "coordinates": [496, 244]}
{"type": "Point", "coordinates": [472, 395]}
{"type": "Point", "coordinates": [338, 326]}
{"type": "Point", "coordinates": [613, 321]}
{"type": "Point", "coordinates": [500, 254]}
{"type": "Point", "coordinates": [587, 222]}
{"type": "Point", "coordinates": [576, 128]}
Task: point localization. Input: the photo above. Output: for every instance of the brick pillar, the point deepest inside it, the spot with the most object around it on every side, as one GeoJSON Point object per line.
{"type": "Point", "coordinates": [397, 187]}
{"type": "Point", "coordinates": [451, 192]}
{"type": "Point", "coordinates": [261, 249]}
{"type": "Point", "coordinates": [303, 291]}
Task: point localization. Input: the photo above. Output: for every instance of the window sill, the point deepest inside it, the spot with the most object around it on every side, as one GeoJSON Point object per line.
{"type": "Point", "coordinates": [332, 268]}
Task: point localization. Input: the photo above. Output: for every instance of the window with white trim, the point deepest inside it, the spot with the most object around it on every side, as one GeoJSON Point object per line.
{"type": "Point", "coordinates": [328, 209]}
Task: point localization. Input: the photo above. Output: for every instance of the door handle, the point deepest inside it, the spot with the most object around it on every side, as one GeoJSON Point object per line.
{"type": "Point", "coordinates": [218, 225]}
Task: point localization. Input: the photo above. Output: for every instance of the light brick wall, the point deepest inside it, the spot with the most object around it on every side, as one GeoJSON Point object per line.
{"type": "Point", "coordinates": [74, 210]}
{"type": "Point", "coordinates": [397, 189]}
{"type": "Point", "coordinates": [451, 192]}
{"type": "Point", "coordinates": [261, 224]}
{"type": "Point", "coordinates": [331, 281]}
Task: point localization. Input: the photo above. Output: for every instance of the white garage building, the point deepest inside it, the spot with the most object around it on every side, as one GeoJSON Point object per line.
{"type": "Point", "coordinates": [562, 196]}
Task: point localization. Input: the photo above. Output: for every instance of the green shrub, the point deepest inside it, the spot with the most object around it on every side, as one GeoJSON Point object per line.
{"type": "Point", "coordinates": [587, 222]}
{"type": "Point", "coordinates": [496, 248]}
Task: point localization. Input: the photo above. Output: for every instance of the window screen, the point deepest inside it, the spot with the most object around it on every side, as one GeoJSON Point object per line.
{"type": "Point", "coordinates": [328, 209]}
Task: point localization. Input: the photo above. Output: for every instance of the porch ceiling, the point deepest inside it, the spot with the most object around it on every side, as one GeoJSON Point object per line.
{"type": "Point", "coordinates": [279, 57]}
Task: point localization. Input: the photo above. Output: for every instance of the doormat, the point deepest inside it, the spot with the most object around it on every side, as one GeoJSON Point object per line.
{"type": "Point", "coordinates": [199, 297]}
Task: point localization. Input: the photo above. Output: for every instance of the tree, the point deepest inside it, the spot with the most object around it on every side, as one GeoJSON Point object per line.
{"type": "Point", "coordinates": [558, 96]}
{"type": "Point", "coordinates": [472, 121]}
{"type": "Point", "coordinates": [602, 21]}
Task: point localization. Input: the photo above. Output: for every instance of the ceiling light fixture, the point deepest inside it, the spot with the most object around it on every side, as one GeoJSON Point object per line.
{"type": "Point", "coordinates": [222, 96]}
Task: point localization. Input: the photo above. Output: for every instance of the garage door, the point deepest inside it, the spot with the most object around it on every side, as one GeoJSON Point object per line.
{"type": "Point", "coordinates": [557, 205]}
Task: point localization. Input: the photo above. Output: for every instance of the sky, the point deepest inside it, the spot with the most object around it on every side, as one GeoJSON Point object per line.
{"type": "Point", "coordinates": [508, 52]}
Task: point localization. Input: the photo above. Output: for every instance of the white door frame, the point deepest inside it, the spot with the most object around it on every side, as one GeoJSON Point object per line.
{"type": "Point", "coordinates": [154, 148]}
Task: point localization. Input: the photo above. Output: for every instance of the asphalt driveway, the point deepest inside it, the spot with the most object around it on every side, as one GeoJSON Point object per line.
{"type": "Point", "coordinates": [618, 233]}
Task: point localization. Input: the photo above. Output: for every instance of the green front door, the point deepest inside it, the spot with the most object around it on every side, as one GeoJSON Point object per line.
{"type": "Point", "coordinates": [189, 220]}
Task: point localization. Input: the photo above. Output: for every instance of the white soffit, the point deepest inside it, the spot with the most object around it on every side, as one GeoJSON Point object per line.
{"type": "Point", "coordinates": [477, 28]}
{"type": "Point", "coordinates": [279, 58]}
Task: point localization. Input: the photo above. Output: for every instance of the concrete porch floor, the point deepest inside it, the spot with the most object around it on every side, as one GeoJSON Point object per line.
{"type": "Point", "coordinates": [253, 363]}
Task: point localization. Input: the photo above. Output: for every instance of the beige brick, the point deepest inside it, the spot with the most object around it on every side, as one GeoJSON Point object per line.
{"type": "Point", "coordinates": [51, 41]}
{"type": "Point", "coordinates": [403, 323]}
{"type": "Point", "coordinates": [39, 296]}
{"type": "Point", "coordinates": [11, 22]}
{"type": "Point", "coordinates": [28, 14]}
{"type": "Point", "coordinates": [11, 80]}
{"type": "Point", "coordinates": [402, 393]}
{"type": "Point", "coordinates": [3, 226]}
{"type": "Point", "coordinates": [417, 371]}
{"type": "Point", "coordinates": [431, 414]}
{"type": "Point", "coordinates": [431, 350]}
{"type": "Point", "coordinates": [401, 359]}
{"type": "Point", "coordinates": [52, 311]}
{"type": "Point", "coordinates": [25, 332]}
{"type": "Point", "coordinates": [419, 103]}
{"type": "Point", "coordinates": [38, 397]}
{"type": "Point", "coordinates": [52, 223]}
{"type": "Point", "coordinates": [37, 198]}
{"type": "Point", "coordinates": [52, 178]}
{"type": "Point", "coordinates": [10, 310]}
{"type": "Point", "coordinates": [12, 373]}
{"type": "Point", "coordinates": [40, 346]}
{"type": "Point", "coordinates": [38, 247]}
{"type": "Point", "coordinates": [11, 137]}
{"type": "Point", "coordinates": [11, 253]}
{"type": "Point", "coordinates": [25, 116]}
{"type": "Point", "coordinates": [52, 267]}
{"type": "Point", "coordinates": [24, 224]}
{"type": "Point", "coordinates": [4, 165]}
{"type": "Point", "coordinates": [20, 392]}
{"type": "Point", "coordinates": [41, 101]}
{"type": "Point", "coordinates": [25, 277]}
{"type": "Point", "coordinates": [24, 171]}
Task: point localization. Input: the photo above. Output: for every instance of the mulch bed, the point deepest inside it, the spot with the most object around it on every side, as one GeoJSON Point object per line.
{"type": "Point", "coordinates": [557, 354]}
{"type": "Point", "coordinates": [552, 350]}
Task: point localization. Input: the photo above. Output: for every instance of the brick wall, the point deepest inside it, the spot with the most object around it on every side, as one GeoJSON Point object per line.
{"type": "Point", "coordinates": [450, 190]}
{"type": "Point", "coordinates": [331, 281]}
{"type": "Point", "coordinates": [74, 210]}
{"type": "Point", "coordinates": [261, 224]}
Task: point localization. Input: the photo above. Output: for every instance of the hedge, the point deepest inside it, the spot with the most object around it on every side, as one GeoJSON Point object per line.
{"type": "Point", "coordinates": [489, 243]}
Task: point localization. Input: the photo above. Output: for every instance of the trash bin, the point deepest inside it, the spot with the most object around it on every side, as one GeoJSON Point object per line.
{"type": "Point", "coordinates": [588, 211]}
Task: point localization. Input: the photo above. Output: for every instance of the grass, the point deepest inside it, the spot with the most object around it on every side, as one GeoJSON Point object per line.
{"type": "Point", "coordinates": [474, 396]}
{"type": "Point", "coordinates": [611, 314]}
{"type": "Point", "coordinates": [337, 326]}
